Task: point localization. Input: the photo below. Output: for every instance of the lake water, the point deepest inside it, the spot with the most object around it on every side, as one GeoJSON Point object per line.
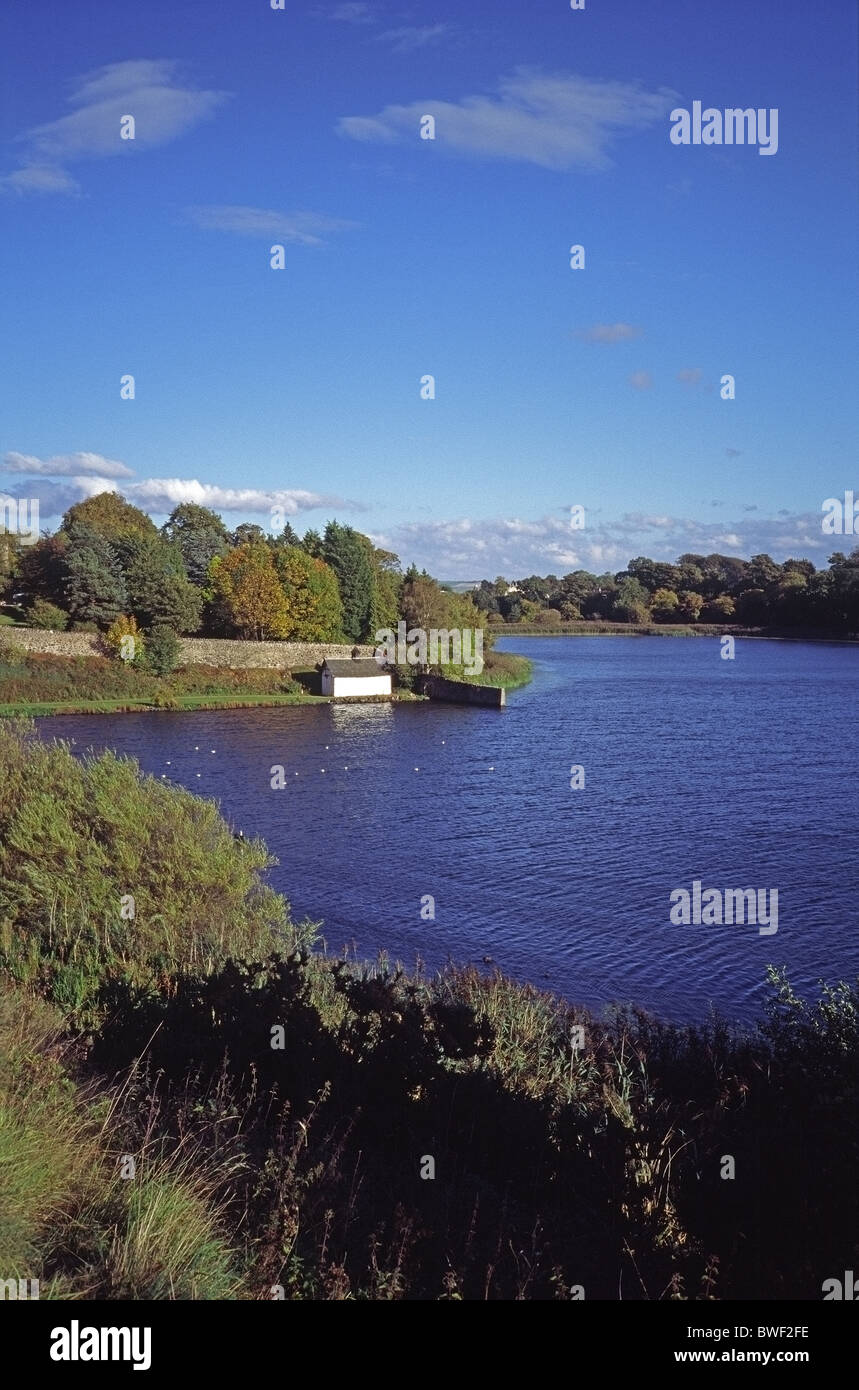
{"type": "Point", "coordinates": [741, 774]}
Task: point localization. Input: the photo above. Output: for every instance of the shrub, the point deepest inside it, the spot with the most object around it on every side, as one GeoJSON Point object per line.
{"type": "Point", "coordinates": [125, 640]}
{"type": "Point", "coordinates": [72, 832]}
{"type": "Point", "coordinates": [162, 649]}
{"type": "Point", "coordinates": [47, 615]}
{"type": "Point", "coordinates": [405, 677]}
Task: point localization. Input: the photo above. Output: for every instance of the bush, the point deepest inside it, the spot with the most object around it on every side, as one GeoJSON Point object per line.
{"type": "Point", "coordinates": [72, 832]}
{"type": "Point", "coordinates": [162, 649]}
{"type": "Point", "coordinates": [47, 615]}
{"type": "Point", "coordinates": [405, 677]}
{"type": "Point", "coordinates": [125, 640]}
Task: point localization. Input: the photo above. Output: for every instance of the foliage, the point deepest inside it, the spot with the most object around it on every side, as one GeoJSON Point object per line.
{"type": "Point", "coordinates": [200, 535]}
{"type": "Point", "coordinates": [706, 588]}
{"type": "Point", "coordinates": [159, 590]}
{"type": "Point", "coordinates": [247, 589]}
{"type": "Point", "coordinates": [345, 551]}
{"type": "Point", "coordinates": [43, 614]}
{"type": "Point", "coordinates": [124, 639]}
{"type": "Point", "coordinates": [42, 569]}
{"type": "Point", "coordinates": [162, 649]}
{"type": "Point", "coordinates": [77, 835]}
{"type": "Point", "coordinates": [109, 516]}
{"type": "Point", "coordinates": [314, 611]}
{"type": "Point", "coordinates": [94, 589]}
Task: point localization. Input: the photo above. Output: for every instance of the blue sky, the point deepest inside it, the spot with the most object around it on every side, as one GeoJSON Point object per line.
{"type": "Point", "coordinates": [301, 387]}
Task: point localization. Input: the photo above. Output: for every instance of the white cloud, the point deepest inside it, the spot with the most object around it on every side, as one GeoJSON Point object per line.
{"type": "Point", "coordinates": [147, 89]}
{"type": "Point", "coordinates": [161, 495]}
{"type": "Point", "coordinates": [66, 465]}
{"type": "Point", "coordinates": [556, 121]}
{"type": "Point", "coordinates": [303, 228]}
{"type": "Point", "coordinates": [609, 333]}
{"type": "Point", "coordinates": [642, 381]}
{"type": "Point", "coordinates": [468, 549]}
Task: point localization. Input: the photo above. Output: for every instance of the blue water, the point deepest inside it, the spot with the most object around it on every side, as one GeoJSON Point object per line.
{"type": "Point", "coordinates": [738, 773]}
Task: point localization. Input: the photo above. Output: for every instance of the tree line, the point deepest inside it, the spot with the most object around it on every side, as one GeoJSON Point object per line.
{"type": "Point", "coordinates": [699, 588]}
{"type": "Point", "coordinates": [109, 568]}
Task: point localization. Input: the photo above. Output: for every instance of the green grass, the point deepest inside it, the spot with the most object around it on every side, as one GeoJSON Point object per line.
{"type": "Point", "coordinates": [67, 1215]}
{"type": "Point", "coordinates": [506, 669]}
{"type": "Point", "coordinates": [34, 685]}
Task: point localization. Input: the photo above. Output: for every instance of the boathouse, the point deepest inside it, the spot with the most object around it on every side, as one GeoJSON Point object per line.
{"type": "Point", "coordinates": [355, 676]}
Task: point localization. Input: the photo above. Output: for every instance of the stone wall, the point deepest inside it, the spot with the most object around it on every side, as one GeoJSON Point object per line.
{"type": "Point", "coordinates": [462, 692]}
{"type": "Point", "coordinates": [194, 651]}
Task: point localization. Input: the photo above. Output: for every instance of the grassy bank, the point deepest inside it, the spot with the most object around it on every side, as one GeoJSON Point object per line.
{"type": "Point", "coordinates": [35, 684]}
{"type": "Point", "coordinates": [354, 1132]}
{"type": "Point", "coordinates": [505, 669]}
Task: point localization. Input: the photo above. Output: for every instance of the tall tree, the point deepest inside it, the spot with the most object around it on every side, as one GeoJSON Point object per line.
{"type": "Point", "coordinates": [287, 537]}
{"type": "Point", "coordinates": [248, 534]}
{"type": "Point", "coordinates": [200, 535]}
{"type": "Point", "coordinates": [42, 569]}
{"type": "Point", "coordinates": [314, 611]}
{"type": "Point", "coordinates": [344, 550]}
{"type": "Point", "coordinates": [248, 592]}
{"type": "Point", "coordinates": [159, 590]}
{"type": "Point", "coordinates": [94, 590]}
{"type": "Point", "coordinates": [110, 516]}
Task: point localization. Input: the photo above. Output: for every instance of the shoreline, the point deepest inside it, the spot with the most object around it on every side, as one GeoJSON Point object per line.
{"type": "Point", "coordinates": [630, 630]}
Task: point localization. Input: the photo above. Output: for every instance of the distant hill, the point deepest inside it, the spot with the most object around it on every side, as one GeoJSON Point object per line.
{"type": "Point", "coordinates": [459, 586]}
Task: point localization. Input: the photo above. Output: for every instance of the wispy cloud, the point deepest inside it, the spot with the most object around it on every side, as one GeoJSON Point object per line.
{"type": "Point", "coordinates": [66, 465]}
{"type": "Point", "coordinates": [303, 228]}
{"type": "Point", "coordinates": [641, 381]}
{"type": "Point", "coordinates": [354, 12]}
{"type": "Point", "coordinates": [40, 178]}
{"type": "Point", "coordinates": [147, 89]}
{"type": "Point", "coordinates": [557, 121]}
{"type": "Point", "coordinates": [608, 333]}
{"type": "Point", "coordinates": [410, 37]}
